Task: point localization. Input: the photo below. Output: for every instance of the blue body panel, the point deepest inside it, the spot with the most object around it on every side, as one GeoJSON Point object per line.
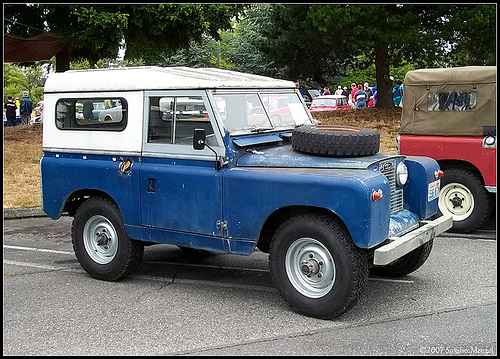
{"type": "Point", "coordinates": [187, 195]}
{"type": "Point", "coordinates": [253, 194]}
{"type": "Point", "coordinates": [421, 172]}
{"type": "Point", "coordinates": [63, 174]}
{"type": "Point", "coordinates": [188, 202]}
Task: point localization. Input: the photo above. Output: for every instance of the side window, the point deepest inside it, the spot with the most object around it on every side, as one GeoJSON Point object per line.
{"type": "Point", "coordinates": [452, 101]}
{"type": "Point", "coordinates": [91, 113]}
{"type": "Point", "coordinates": [173, 119]}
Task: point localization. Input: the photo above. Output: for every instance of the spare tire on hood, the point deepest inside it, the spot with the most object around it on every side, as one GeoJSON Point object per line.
{"type": "Point", "coordinates": [337, 141]}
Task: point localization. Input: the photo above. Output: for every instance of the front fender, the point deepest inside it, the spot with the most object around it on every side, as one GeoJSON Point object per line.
{"type": "Point", "coordinates": [252, 195]}
{"type": "Point", "coordinates": [421, 173]}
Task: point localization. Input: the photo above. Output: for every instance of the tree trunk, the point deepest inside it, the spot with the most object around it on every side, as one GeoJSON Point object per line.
{"type": "Point", "coordinates": [384, 83]}
{"type": "Point", "coordinates": [62, 59]}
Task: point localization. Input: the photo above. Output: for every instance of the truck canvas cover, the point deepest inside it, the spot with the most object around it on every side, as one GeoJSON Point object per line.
{"type": "Point", "coordinates": [458, 101]}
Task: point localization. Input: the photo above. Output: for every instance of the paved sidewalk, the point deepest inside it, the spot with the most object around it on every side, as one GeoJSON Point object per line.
{"type": "Point", "coordinates": [12, 213]}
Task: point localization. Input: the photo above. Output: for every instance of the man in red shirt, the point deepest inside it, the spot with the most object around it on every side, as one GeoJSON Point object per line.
{"type": "Point", "coordinates": [352, 99]}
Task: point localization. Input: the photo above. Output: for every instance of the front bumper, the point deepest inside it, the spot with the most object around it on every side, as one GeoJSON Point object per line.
{"type": "Point", "coordinates": [399, 246]}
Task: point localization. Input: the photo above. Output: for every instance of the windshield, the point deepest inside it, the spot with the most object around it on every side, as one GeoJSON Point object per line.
{"type": "Point", "coordinates": [255, 112]}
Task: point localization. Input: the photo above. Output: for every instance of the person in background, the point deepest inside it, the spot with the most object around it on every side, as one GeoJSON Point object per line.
{"type": "Point", "coordinates": [326, 91]}
{"type": "Point", "coordinates": [361, 97]}
{"type": "Point", "coordinates": [368, 90]}
{"type": "Point", "coordinates": [10, 111]}
{"type": "Point", "coordinates": [374, 89]}
{"type": "Point", "coordinates": [352, 100]}
{"type": "Point", "coordinates": [345, 92]}
{"type": "Point", "coordinates": [18, 104]}
{"type": "Point", "coordinates": [40, 108]}
{"type": "Point", "coordinates": [339, 90]}
{"type": "Point", "coordinates": [397, 93]}
{"type": "Point", "coordinates": [297, 85]}
{"type": "Point", "coordinates": [26, 107]}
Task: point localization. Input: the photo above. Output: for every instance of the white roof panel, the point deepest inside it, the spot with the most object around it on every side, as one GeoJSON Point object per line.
{"type": "Point", "coordinates": [156, 78]}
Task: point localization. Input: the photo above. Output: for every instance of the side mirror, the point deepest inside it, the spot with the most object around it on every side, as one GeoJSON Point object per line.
{"type": "Point", "coordinates": [199, 139]}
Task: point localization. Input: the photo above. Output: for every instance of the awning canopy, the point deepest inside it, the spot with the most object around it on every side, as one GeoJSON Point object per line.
{"type": "Point", "coordinates": [37, 48]}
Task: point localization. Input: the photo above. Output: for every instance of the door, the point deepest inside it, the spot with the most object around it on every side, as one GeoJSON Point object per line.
{"type": "Point", "coordinates": [181, 190]}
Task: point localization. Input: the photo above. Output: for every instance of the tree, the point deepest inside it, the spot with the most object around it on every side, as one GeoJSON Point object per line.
{"type": "Point", "coordinates": [320, 41]}
{"type": "Point", "coordinates": [27, 78]}
{"type": "Point", "coordinates": [95, 31]}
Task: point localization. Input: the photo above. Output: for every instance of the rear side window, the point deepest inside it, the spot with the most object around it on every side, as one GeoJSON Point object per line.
{"type": "Point", "coordinates": [91, 113]}
{"type": "Point", "coordinates": [173, 119]}
{"type": "Point", "coordinates": [452, 101]}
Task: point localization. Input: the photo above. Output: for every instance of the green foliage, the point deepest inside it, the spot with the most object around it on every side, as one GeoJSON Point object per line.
{"type": "Point", "coordinates": [18, 79]}
{"type": "Point", "coordinates": [96, 31]}
{"type": "Point", "coordinates": [80, 65]}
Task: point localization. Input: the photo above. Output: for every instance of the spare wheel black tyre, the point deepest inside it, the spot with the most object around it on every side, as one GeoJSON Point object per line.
{"type": "Point", "coordinates": [338, 141]}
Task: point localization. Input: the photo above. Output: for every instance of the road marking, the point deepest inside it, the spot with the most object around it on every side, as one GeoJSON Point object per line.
{"type": "Point", "coordinates": [36, 249]}
{"type": "Point", "coordinates": [391, 280]}
{"type": "Point", "coordinates": [43, 266]}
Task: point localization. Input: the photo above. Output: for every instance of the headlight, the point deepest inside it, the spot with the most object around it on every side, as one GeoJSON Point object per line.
{"type": "Point", "coordinates": [401, 174]}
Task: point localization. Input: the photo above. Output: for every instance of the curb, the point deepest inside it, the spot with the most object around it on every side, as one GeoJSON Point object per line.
{"type": "Point", "coordinates": [16, 213]}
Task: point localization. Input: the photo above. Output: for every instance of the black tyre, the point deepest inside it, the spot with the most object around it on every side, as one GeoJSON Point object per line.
{"type": "Point", "coordinates": [464, 196]}
{"type": "Point", "coordinates": [316, 266]}
{"type": "Point", "coordinates": [337, 141]}
{"type": "Point", "coordinates": [406, 264]}
{"type": "Point", "coordinates": [100, 242]}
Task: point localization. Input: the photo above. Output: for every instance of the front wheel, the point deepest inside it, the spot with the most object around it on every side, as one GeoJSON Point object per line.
{"type": "Point", "coordinates": [406, 264]}
{"type": "Point", "coordinates": [100, 242]}
{"type": "Point", "coordinates": [316, 266]}
{"type": "Point", "coordinates": [464, 196]}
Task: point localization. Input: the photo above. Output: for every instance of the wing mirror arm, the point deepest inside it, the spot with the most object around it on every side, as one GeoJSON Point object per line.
{"type": "Point", "coordinates": [199, 143]}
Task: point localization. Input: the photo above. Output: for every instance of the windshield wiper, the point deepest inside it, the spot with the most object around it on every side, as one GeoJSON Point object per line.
{"type": "Point", "coordinates": [261, 129]}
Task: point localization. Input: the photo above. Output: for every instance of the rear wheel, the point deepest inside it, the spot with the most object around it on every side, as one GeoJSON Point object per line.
{"type": "Point", "coordinates": [100, 242]}
{"type": "Point", "coordinates": [464, 196]}
{"type": "Point", "coordinates": [316, 266]}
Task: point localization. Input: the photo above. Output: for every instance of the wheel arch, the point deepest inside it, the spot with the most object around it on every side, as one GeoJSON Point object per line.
{"type": "Point", "coordinates": [281, 215]}
{"type": "Point", "coordinates": [449, 163]}
{"type": "Point", "coordinates": [76, 198]}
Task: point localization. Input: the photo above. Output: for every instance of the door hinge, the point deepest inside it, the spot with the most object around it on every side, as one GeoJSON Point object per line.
{"type": "Point", "coordinates": [222, 225]}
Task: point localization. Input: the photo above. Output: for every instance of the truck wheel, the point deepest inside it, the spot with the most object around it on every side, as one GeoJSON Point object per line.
{"type": "Point", "coordinates": [316, 266]}
{"type": "Point", "coordinates": [100, 242]}
{"type": "Point", "coordinates": [464, 196]}
{"type": "Point", "coordinates": [406, 264]}
{"type": "Point", "coordinates": [338, 141]}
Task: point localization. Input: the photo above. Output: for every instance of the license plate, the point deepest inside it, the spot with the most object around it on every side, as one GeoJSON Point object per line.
{"type": "Point", "coordinates": [433, 191]}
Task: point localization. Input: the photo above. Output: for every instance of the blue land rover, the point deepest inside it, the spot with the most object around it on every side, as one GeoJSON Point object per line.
{"type": "Point", "coordinates": [229, 162]}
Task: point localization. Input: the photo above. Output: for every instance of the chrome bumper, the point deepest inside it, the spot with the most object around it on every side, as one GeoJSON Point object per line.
{"type": "Point", "coordinates": [399, 246]}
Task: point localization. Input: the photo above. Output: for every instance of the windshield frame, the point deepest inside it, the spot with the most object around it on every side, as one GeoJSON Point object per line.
{"type": "Point", "coordinates": [263, 104]}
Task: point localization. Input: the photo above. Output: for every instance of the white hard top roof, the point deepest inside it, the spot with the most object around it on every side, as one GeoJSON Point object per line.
{"type": "Point", "coordinates": [157, 78]}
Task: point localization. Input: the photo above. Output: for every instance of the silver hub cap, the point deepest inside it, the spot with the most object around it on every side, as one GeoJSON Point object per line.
{"type": "Point", "coordinates": [456, 200]}
{"type": "Point", "coordinates": [100, 239]}
{"type": "Point", "coordinates": [310, 267]}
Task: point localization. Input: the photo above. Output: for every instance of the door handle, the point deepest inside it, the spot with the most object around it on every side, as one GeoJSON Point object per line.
{"type": "Point", "coordinates": [151, 185]}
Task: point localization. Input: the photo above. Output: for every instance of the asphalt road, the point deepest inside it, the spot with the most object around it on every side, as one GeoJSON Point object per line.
{"type": "Point", "coordinates": [180, 304]}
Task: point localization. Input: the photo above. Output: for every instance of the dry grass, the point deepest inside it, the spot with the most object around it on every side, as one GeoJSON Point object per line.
{"type": "Point", "coordinates": [23, 150]}
{"type": "Point", "coordinates": [385, 121]}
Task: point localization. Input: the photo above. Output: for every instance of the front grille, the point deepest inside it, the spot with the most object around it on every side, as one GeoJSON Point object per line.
{"type": "Point", "coordinates": [388, 169]}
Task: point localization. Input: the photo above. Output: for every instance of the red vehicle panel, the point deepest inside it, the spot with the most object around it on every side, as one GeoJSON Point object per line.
{"type": "Point", "coordinates": [459, 148]}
